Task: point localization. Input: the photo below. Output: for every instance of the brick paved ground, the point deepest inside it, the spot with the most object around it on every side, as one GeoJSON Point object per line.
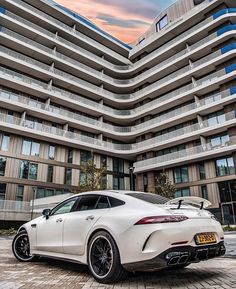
{"type": "Point", "coordinates": [213, 274]}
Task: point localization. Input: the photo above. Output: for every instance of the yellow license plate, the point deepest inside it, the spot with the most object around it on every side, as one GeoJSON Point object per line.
{"type": "Point", "coordinates": [205, 238]}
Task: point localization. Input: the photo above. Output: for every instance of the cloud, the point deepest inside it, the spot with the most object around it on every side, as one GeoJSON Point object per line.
{"type": "Point", "coordinates": [114, 21]}
{"type": "Point", "coordinates": [124, 19]}
{"type": "Point", "coordinates": [143, 8]}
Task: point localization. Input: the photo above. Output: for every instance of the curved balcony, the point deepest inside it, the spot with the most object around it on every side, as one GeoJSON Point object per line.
{"type": "Point", "coordinates": [159, 51]}
{"type": "Point", "coordinates": [161, 85]}
{"type": "Point", "coordinates": [56, 24]}
{"type": "Point", "coordinates": [193, 154]}
{"type": "Point", "coordinates": [156, 124]}
{"type": "Point", "coordinates": [164, 66]}
{"type": "Point", "coordinates": [89, 105]}
{"type": "Point", "coordinates": [50, 133]}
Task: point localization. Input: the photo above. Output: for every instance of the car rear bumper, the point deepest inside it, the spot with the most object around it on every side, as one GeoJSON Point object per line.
{"type": "Point", "coordinates": [178, 256]}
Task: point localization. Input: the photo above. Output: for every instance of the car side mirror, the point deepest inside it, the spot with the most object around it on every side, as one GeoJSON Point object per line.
{"type": "Point", "coordinates": [46, 213]}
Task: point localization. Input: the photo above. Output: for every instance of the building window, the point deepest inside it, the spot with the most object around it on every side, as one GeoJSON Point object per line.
{"type": "Point", "coordinates": [104, 182]}
{"type": "Point", "coordinates": [28, 170]}
{"type": "Point", "coordinates": [51, 153]}
{"type": "Point", "coordinates": [216, 118]}
{"type": "Point", "coordinates": [2, 191]}
{"type": "Point", "coordinates": [85, 157]}
{"type": "Point", "coordinates": [181, 175]}
{"type": "Point", "coordinates": [145, 182]}
{"type": "Point", "coordinates": [2, 166]}
{"type": "Point", "coordinates": [20, 193]}
{"type": "Point", "coordinates": [68, 176]}
{"type": "Point", "coordinates": [202, 172]}
{"type": "Point", "coordinates": [227, 191]}
{"type": "Point", "coordinates": [46, 192]}
{"type": "Point", "coordinates": [182, 193]}
{"type": "Point", "coordinates": [103, 161]}
{"type": "Point", "coordinates": [30, 148]}
{"type": "Point", "coordinates": [204, 192]}
{"type": "Point", "coordinates": [70, 156]}
{"type": "Point", "coordinates": [162, 23]}
{"type": "Point", "coordinates": [225, 166]}
{"type": "Point", "coordinates": [118, 183]}
{"type": "Point", "coordinates": [118, 165]}
{"type": "Point", "coordinates": [220, 140]}
{"type": "Point", "coordinates": [5, 142]}
{"type": "Point", "coordinates": [50, 174]}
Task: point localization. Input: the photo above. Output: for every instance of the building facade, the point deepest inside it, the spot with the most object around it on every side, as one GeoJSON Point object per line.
{"type": "Point", "coordinates": [70, 92]}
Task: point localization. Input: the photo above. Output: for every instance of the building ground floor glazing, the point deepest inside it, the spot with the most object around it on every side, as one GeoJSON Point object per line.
{"type": "Point", "coordinates": [31, 168]}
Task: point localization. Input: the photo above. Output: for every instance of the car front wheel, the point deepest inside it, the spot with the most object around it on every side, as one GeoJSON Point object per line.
{"type": "Point", "coordinates": [21, 248]}
{"type": "Point", "coordinates": [104, 259]}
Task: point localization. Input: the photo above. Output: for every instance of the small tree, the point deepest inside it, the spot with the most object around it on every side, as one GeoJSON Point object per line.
{"type": "Point", "coordinates": [93, 177]}
{"type": "Point", "coordinates": [163, 186]}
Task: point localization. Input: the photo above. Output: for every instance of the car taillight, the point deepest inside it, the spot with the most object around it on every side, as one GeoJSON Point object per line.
{"type": "Point", "coordinates": [161, 219]}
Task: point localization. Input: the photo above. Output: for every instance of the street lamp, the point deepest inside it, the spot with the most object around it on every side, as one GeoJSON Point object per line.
{"type": "Point", "coordinates": [131, 169]}
{"type": "Point", "coordinates": [34, 196]}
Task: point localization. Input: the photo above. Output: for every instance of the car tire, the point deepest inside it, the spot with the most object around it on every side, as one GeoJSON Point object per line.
{"type": "Point", "coordinates": [21, 248]}
{"type": "Point", "coordinates": [104, 259]}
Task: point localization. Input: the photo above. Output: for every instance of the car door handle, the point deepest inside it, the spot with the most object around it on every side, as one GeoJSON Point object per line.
{"type": "Point", "coordinates": [59, 220]}
{"type": "Point", "coordinates": [89, 218]}
{"type": "Point", "coordinates": [33, 225]}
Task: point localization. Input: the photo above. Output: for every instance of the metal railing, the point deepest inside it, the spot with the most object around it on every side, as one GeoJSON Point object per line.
{"type": "Point", "coordinates": [158, 120]}
{"type": "Point", "coordinates": [14, 206]}
{"type": "Point", "coordinates": [130, 148]}
{"type": "Point", "coordinates": [190, 152]}
{"type": "Point", "coordinates": [95, 89]}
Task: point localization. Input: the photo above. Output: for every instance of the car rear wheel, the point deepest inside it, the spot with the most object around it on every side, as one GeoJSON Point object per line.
{"type": "Point", "coordinates": [21, 248]}
{"type": "Point", "coordinates": [104, 259]}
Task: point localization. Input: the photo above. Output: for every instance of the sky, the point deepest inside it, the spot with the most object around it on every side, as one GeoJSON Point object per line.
{"type": "Point", "coordinates": [124, 19]}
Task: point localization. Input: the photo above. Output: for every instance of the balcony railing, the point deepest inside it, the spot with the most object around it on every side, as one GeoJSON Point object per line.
{"type": "Point", "coordinates": [70, 30]}
{"type": "Point", "coordinates": [126, 148]}
{"type": "Point", "coordinates": [14, 206]}
{"type": "Point", "coordinates": [194, 152]}
{"type": "Point", "coordinates": [91, 87]}
{"type": "Point", "coordinates": [157, 121]}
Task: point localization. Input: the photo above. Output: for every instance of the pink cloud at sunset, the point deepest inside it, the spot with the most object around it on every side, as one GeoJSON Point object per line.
{"type": "Point", "coordinates": [124, 19]}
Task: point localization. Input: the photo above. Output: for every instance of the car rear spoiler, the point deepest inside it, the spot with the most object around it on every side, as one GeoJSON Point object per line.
{"type": "Point", "coordinates": [202, 203]}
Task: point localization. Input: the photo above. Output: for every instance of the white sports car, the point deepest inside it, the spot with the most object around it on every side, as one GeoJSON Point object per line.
{"type": "Point", "coordinates": [116, 232]}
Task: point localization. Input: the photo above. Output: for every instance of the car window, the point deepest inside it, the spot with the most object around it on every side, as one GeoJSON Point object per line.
{"type": "Point", "coordinates": [102, 203]}
{"type": "Point", "coordinates": [115, 202]}
{"type": "Point", "coordinates": [64, 207]}
{"type": "Point", "coordinates": [150, 198]}
{"type": "Point", "coordinates": [88, 202]}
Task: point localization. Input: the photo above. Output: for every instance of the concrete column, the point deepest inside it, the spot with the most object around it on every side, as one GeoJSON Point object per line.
{"type": "Point", "coordinates": [47, 103]}
{"type": "Point", "coordinates": [190, 63]}
{"type": "Point", "coordinates": [65, 128]}
{"type": "Point", "coordinates": [139, 182]}
{"type": "Point", "coordinates": [151, 181]}
{"type": "Point", "coordinates": [203, 142]}
{"type": "Point", "coordinates": [194, 82]}
{"type": "Point", "coordinates": [197, 100]}
{"type": "Point", "coordinates": [52, 67]}
{"type": "Point", "coordinates": [22, 120]}
{"type": "Point", "coordinates": [200, 121]}
{"type": "Point", "coordinates": [50, 84]}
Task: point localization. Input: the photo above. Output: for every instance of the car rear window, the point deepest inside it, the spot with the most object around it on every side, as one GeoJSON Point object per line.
{"type": "Point", "coordinates": [115, 202]}
{"type": "Point", "coordinates": [150, 198]}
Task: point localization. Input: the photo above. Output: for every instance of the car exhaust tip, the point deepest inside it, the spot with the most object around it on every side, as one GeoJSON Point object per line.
{"type": "Point", "coordinates": [175, 258]}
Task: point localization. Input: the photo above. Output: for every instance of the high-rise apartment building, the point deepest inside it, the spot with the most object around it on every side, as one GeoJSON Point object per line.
{"type": "Point", "coordinates": [69, 90]}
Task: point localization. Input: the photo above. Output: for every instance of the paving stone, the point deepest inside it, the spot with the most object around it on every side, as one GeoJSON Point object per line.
{"type": "Point", "coordinates": [218, 273]}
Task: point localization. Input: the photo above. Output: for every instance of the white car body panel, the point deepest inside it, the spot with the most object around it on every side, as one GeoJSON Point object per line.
{"type": "Point", "coordinates": [136, 243]}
